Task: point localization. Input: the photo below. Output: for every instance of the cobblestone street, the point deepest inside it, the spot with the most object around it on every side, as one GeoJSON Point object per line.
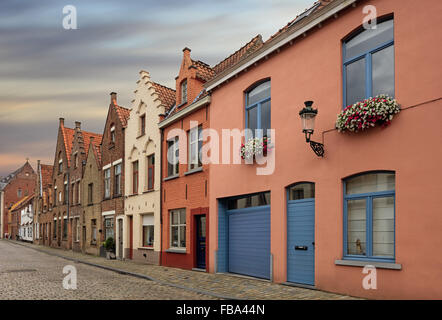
{"type": "Point", "coordinates": [26, 274]}
{"type": "Point", "coordinates": [30, 271]}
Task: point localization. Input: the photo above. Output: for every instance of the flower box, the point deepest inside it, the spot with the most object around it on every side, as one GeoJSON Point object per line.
{"type": "Point", "coordinates": [254, 147]}
{"type": "Point", "coordinates": [368, 113]}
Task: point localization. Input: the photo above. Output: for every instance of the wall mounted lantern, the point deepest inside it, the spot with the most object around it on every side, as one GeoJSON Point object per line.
{"type": "Point", "coordinates": [308, 115]}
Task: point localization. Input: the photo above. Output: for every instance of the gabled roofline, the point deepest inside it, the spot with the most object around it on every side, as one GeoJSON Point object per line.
{"type": "Point", "coordinates": [184, 112]}
{"type": "Point", "coordinates": [304, 25]}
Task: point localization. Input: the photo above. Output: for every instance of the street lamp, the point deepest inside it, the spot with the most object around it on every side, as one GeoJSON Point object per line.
{"type": "Point", "coordinates": [308, 115]}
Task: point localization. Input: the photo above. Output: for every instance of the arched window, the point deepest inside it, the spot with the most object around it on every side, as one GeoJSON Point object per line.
{"type": "Point", "coordinates": [369, 216]}
{"type": "Point", "coordinates": [258, 109]}
{"type": "Point", "coordinates": [369, 63]}
{"type": "Point", "coordinates": [112, 133]}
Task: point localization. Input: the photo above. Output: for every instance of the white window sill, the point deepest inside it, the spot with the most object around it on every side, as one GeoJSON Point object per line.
{"type": "Point", "coordinates": [363, 263]}
{"type": "Point", "coordinates": [145, 248]}
{"type": "Point", "coordinates": [176, 250]}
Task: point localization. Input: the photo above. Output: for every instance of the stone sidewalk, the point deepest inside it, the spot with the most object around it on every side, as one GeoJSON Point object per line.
{"type": "Point", "coordinates": [218, 285]}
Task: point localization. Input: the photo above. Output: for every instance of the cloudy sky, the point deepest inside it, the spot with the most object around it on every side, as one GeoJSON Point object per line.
{"type": "Point", "coordinates": [47, 72]}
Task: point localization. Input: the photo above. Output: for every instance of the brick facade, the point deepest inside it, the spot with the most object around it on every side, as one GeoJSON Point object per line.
{"type": "Point", "coordinates": [90, 220]}
{"type": "Point", "coordinates": [21, 184]}
{"type": "Point", "coordinates": [43, 202]}
{"type": "Point", "coordinates": [112, 148]}
{"type": "Point", "coordinates": [189, 189]}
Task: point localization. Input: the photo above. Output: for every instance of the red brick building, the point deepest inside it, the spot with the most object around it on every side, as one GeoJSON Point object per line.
{"type": "Point", "coordinates": [14, 187]}
{"type": "Point", "coordinates": [80, 148]}
{"type": "Point", "coordinates": [112, 159]}
{"type": "Point", "coordinates": [43, 203]}
{"type": "Point", "coordinates": [185, 187]}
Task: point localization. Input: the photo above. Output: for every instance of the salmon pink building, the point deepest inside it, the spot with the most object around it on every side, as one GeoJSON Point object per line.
{"type": "Point", "coordinates": [363, 218]}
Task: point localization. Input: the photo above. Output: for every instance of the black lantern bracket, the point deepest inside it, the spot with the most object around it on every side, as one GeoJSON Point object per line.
{"type": "Point", "coordinates": [308, 113]}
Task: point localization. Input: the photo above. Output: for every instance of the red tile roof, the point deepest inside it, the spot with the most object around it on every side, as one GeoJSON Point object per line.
{"type": "Point", "coordinates": [20, 203]}
{"type": "Point", "coordinates": [240, 54]}
{"type": "Point", "coordinates": [123, 114]}
{"type": "Point", "coordinates": [315, 7]}
{"type": "Point", "coordinates": [166, 95]}
{"type": "Point", "coordinates": [46, 175]}
{"type": "Point", "coordinates": [68, 137]}
{"type": "Point", "coordinates": [87, 140]}
{"type": "Point", "coordinates": [203, 70]}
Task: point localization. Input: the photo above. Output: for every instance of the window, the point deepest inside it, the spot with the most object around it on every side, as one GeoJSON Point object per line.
{"type": "Point", "coordinates": [134, 177]}
{"type": "Point", "coordinates": [77, 229]}
{"type": "Point", "coordinates": [78, 192]}
{"type": "Point", "coordinates": [195, 145]}
{"type": "Point", "coordinates": [112, 133]}
{"type": "Point", "coordinates": [109, 228]}
{"type": "Point", "coordinates": [73, 193]}
{"type": "Point", "coordinates": [150, 171]}
{"type": "Point", "coordinates": [252, 200]}
{"type": "Point", "coordinates": [93, 231]}
{"type": "Point", "coordinates": [117, 185]}
{"type": "Point", "coordinates": [107, 183]}
{"type": "Point", "coordinates": [55, 228]}
{"type": "Point", "coordinates": [65, 194]}
{"type": "Point", "coordinates": [173, 157]}
{"type": "Point", "coordinates": [143, 125]}
{"type": "Point", "coordinates": [19, 193]}
{"type": "Point", "coordinates": [178, 228]}
{"type": "Point", "coordinates": [90, 190]}
{"type": "Point", "coordinates": [148, 230]}
{"type": "Point", "coordinates": [369, 63]}
{"type": "Point", "coordinates": [65, 229]}
{"type": "Point", "coordinates": [369, 216]}
{"type": "Point", "coordinates": [302, 191]}
{"type": "Point", "coordinates": [258, 109]}
{"type": "Point", "coordinates": [75, 160]}
{"type": "Point", "coordinates": [184, 91]}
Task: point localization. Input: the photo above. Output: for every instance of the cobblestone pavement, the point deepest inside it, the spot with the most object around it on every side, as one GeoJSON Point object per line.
{"type": "Point", "coordinates": [26, 274]}
{"type": "Point", "coordinates": [168, 283]}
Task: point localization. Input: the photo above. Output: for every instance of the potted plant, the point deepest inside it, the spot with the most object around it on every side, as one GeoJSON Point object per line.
{"type": "Point", "coordinates": [109, 245]}
{"type": "Point", "coordinates": [368, 113]}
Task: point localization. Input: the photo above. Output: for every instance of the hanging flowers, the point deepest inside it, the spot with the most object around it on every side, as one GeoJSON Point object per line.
{"type": "Point", "coordinates": [368, 113]}
{"type": "Point", "coordinates": [254, 147]}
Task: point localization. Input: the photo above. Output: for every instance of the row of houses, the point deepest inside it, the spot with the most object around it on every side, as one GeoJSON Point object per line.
{"type": "Point", "coordinates": [166, 180]}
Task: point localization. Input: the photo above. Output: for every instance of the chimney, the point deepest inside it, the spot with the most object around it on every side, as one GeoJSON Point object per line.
{"type": "Point", "coordinates": [61, 122]}
{"type": "Point", "coordinates": [113, 98]}
{"type": "Point", "coordinates": [77, 125]}
{"type": "Point", "coordinates": [186, 53]}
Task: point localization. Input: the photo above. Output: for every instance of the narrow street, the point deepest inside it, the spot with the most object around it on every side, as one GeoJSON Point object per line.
{"type": "Point", "coordinates": [26, 274]}
{"type": "Point", "coordinates": [29, 271]}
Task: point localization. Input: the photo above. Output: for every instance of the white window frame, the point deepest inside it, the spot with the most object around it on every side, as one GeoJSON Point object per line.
{"type": "Point", "coordinates": [194, 143]}
{"type": "Point", "coordinates": [173, 150]}
{"type": "Point", "coordinates": [180, 225]}
{"type": "Point", "coordinates": [107, 183]}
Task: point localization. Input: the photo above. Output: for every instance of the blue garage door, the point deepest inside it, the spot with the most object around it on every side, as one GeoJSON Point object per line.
{"type": "Point", "coordinates": [249, 241]}
{"type": "Point", "coordinates": [301, 236]}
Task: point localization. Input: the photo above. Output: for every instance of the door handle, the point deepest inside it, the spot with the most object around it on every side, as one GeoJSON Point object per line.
{"type": "Point", "coordinates": [301, 248]}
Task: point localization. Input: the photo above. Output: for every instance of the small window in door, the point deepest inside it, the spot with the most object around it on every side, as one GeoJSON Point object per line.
{"type": "Point", "coordinates": [302, 191]}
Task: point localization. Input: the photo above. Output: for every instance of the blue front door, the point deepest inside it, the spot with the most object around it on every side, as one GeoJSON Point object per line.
{"type": "Point", "coordinates": [201, 242]}
{"type": "Point", "coordinates": [301, 241]}
{"type": "Point", "coordinates": [249, 241]}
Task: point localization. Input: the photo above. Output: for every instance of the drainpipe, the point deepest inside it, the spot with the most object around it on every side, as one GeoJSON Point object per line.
{"type": "Point", "coordinates": [161, 197]}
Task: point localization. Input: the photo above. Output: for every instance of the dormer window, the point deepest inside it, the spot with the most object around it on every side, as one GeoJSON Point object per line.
{"type": "Point", "coordinates": [112, 133]}
{"type": "Point", "coordinates": [184, 91]}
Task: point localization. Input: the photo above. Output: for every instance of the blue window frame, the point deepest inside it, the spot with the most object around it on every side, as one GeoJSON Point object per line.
{"type": "Point", "coordinates": [369, 217]}
{"type": "Point", "coordinates": [368, 63]}
{"type": "Point", "coordinates": [258, 109]}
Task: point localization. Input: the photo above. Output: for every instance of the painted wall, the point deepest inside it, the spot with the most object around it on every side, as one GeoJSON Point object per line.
{"type": "Point", "coordinates": [138, 148]}
{"type": "Point", "coordinates": [311, 69]}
